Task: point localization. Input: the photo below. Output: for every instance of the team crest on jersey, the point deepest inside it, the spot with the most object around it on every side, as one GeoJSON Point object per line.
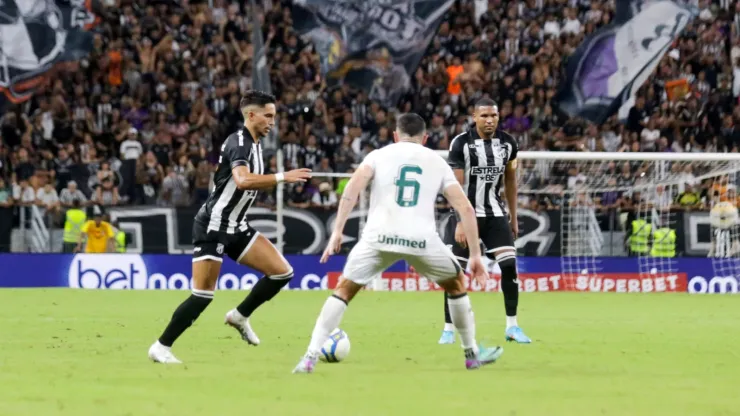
{"type": "Point", "coordinates": [501, 152]}
{"type": "Point", "coordinates": [220, 248]}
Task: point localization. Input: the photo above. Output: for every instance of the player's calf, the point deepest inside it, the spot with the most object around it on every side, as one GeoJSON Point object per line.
{"type": "Point", "coordinates": [461, 312]}
{"type": "Point", "coordinates": [205, 275]}
{"type": "Point", "coordinates": [510, 288]}
{"type": "Point", "coordinates": [260, 255]}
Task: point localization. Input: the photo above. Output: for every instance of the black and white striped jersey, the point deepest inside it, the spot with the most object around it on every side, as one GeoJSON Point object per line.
{"type": "Point", "coordinates": [484, 162]}
{"type": "Point", "coordinates": [724, 242]}
{"type": "Point", "coordinates": [225, 210]}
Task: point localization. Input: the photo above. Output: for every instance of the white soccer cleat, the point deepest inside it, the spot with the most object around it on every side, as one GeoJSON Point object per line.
{"type": "Point", "coordinates": [161, 354]}
{"type": "Point", "coordinates": [306, 365]}
{"type": "Point", "coordinates": [241, 324]}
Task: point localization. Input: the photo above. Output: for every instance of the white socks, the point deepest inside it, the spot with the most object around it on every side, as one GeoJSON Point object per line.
{"type": "Point", "coordinates": [449, 327]}
{"type": "Point", "coordinates": [462, 318]}
{"type": "Point", "coordinates": [329, 319]}
{"type": "Point", "coordinates": [511, 321]}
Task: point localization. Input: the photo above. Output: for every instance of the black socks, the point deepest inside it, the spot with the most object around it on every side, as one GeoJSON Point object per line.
{"type": "Point", "coordinates": [265, 289]}
{"type": "Point", "coordinates": [185, 315]}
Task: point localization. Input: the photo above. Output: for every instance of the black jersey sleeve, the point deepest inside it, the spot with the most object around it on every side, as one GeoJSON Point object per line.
{"type": "Point", "coordinates": [237, 150]}
{"type": "Point", "coordinates": [456, 156]}
{"type": "Point", "coordinates": [514, 146]}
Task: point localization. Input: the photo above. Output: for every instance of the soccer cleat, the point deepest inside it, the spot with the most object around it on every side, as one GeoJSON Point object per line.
{"type": "Point", "coordinates": [306, 365]}
{"type": "Point", "coordinates": [448, 337]}
{"type": "Point", "coordinates": [242, 326]}
{"type": "Point", "coordinates": [485, 356]}
{"type": "Point", "coordinates": [516, 334]}
{"type": "Point", "coordinates": [161, 354]}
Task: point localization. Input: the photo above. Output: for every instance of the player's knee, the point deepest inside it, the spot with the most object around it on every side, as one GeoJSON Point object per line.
{"type": "Point", "coordinates": [453, 287]}
{"type": "Point", "coordinates": [507, 262]}
{"type": "Point", "coordinates": [285, 274]}
{"type": "Point", "coordinates": [347, 289]}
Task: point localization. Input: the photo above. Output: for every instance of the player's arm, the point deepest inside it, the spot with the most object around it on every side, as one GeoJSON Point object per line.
{"type": "Point", "coordinates": [456, 197]}
{"type": "Point", "coordinates": [110, 242]}
{"type": "Point", "coordinates": [456, 160]}
{"type": "Point", "coordinates": [83, 232]}
{"type": "Point", "coordinates": [511, 188]}
{"type": "Point", "coordinates": [246, 180]}
{"type": "Point", "coordinates": [359, 181]}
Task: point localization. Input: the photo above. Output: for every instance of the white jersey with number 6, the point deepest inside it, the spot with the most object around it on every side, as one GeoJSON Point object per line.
{"type": "Point", "coordinates": [406, 180]}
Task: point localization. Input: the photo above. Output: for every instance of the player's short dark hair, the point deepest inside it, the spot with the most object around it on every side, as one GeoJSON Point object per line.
{"type": "Point", "coordinates": [411, 124]}
{"type": "Point", "coordinates": [485, 102]}
{"type": "Point", "coordinates": [258, 98]}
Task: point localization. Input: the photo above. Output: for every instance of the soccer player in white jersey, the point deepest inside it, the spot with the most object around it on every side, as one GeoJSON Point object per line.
{"type": "Point", "coordinates": [406, 178]}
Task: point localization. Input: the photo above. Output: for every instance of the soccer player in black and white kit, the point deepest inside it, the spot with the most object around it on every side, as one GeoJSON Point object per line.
{"type": "Point", "coordinates": [221, 227]}
{"type": "Point", "coordinates": [484, 159]}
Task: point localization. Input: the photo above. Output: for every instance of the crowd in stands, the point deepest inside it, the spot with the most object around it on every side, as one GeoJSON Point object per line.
{"type": "Point", "coordinates": [141, 119]}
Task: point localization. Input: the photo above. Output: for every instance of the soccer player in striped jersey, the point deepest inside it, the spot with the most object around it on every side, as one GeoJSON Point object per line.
{"type": "Point", "coordinates": [484, 159]}
{"type": "Point", "coordinates": [221, 226]}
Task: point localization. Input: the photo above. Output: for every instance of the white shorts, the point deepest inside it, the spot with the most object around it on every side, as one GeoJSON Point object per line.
{"type": "Point", "coordinates": [365, 263]}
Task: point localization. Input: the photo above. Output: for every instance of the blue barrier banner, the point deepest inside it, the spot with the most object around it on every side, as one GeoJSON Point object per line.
{"type": "Point", "coordinates": [164, 271]}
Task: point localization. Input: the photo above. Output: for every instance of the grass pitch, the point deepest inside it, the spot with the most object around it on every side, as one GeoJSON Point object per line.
{"type": "Point", "coordinates": [76, 352]}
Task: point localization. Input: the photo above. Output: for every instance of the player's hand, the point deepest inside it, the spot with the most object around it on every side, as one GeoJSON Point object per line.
{"type": "Point", "coordinates": [297, 175]}
{"type": "Point", "coordinates": [460, 236]}
{"type": "Point", "coordinates": [477, 270]}
{"type": "Point", "coordinates": [514, 226]}
{"type": "Point", "coordinates": [335, 244]}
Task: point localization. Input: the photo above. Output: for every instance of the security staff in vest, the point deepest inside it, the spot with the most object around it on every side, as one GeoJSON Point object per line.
{"type": "Point", "coordinates": [637, 229]}
{"type": "Point", "coordinates": [119, 238]}
{"type": "Point", "coordinates": [637, 234]}
{"type": "Point", "coordinates": [75, 218]}
{"type": "Point", "coordinates": [664, 240]}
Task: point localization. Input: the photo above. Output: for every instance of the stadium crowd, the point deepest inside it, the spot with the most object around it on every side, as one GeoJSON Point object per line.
{"type": "Point", "coordinates": [141, 120]}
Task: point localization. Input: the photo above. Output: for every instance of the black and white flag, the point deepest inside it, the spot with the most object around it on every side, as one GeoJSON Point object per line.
{"type": "Point", "coordinates": [37, 34]}
{"type": "Point", "coordinates": [374, 45]}
{"type": "Point", "coordinates": [608, 68]}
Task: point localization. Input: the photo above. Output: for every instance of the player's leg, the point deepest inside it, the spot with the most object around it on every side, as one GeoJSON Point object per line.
{"type": "Point", "coordinates": [257, 252]}
{"type": "Point", "coordinates": [363, 265]}
{"type": "Point", "coordinates": [206, 268]}
{"type": "Point", "coordinates": [499, 237]}
{"type": "Point", "coordinates": [461, 254]}
{"type": "Point", "coordinates": [440, 266]}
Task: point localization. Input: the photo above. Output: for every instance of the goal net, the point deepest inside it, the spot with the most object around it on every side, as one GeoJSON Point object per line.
{"type": "Point", "coordinates": [646, 209]}
{"type": "Point", "coordinates": [616, 221]}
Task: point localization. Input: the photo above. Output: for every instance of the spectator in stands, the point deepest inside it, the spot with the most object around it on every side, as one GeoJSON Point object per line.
{"type": "Point", "coordinates": [62, 169]}
{"type": "Point", "coordinates": [47, 199]}
{"type": "Point", "coordinates": [175, 189]}
{"type": "Point", "coordinates": [202, 183]}
{"type": "Point", "coordinates": [6, 215]}
{"type": "Point", "coordinates": [6, 194]}
{"type": "Point", "coordinates": [149, 176]}
{"type": "Point", "coordinates": [688, 199]}
{"type": "Point", "coordinates": [24, 168]}
{"type": "Point", "coordinates": [326, 198]}
{"type": "Point", "coordinates": [130, 151]}
{"type": "Point", "coordinates": [24, 194]}
{"type": "Point", "coordinates": [107, 194]}
{"type": "Point", "coordinates": [70, 194]}
{"type": "Point", "coordinates": [298, 197]}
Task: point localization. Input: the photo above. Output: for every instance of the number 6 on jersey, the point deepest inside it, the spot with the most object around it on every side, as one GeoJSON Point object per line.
{"type": "Point", "coordinates": [407, 190]}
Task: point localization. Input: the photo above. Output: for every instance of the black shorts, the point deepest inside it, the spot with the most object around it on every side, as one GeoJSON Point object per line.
{"type": "Point", "coordinates": [495, 234]}
{"type": "Point", "coordinates": [211, 245]}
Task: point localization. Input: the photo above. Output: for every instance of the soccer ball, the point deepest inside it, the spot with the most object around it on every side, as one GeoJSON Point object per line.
{"type": "Point", "coordinates": [723, 215]}
{"type": "Point", "coordinates": [336, 348]}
